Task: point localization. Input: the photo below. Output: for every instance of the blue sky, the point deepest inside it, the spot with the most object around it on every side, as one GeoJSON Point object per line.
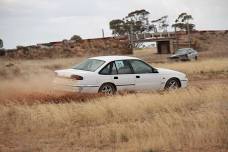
{"type": "Point", "coordinates": [27, 22]}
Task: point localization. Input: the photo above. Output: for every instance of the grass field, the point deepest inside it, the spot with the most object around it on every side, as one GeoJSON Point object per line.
{"type": "Point", "coordinates": [192, 119]}
{"type": "Point", "coordinates": [185, 120]}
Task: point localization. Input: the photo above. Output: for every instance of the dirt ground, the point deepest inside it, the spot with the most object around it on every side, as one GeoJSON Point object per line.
{"type": "Point", "coordinates": [33, 117]}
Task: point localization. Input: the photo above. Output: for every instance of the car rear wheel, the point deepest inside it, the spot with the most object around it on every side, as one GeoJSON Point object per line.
{"type": "Point", "coordinates": [172, 84]}
{"type": "Point", "coordinates": [107, 89]}
{"type": "Point", "coordinates": [196, 58]}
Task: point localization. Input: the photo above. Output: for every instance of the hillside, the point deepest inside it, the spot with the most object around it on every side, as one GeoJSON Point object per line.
{"type": "Point", "coordinates": [209, 43]}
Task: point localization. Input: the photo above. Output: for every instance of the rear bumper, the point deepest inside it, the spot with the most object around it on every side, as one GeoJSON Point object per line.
{"type": "Point", "coordinates": [70, 85]}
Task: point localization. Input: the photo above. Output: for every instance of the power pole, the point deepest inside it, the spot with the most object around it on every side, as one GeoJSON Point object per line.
{"type": "Point", "coordinates": [131, 37]}
{"type": "Point", "coordinates": [103, 35]}
{"type": "Point", "coordinates": [189, 37]}
{"type": "Point", "coordinates": [177, 45]}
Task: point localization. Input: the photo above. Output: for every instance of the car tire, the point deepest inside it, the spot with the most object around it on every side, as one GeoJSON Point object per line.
{"type": "Point", "coordinates": [172, 84]}
{"type": "Point", "coordinates": [107, 89]}
{"type": "Point", "coordinates": [196, 58]}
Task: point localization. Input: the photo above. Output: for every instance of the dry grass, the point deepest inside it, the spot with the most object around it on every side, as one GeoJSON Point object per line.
{"type": "Point", "coordinates": [199, 67]}
{"type": "Point", "coordinates": [193, 119]}
{"type": "Point", "coordinates": [202, 69]}
{"type": "Point", "coordinates": [30, 69]}
{"type": "Point", "coordinates": [186, 120]}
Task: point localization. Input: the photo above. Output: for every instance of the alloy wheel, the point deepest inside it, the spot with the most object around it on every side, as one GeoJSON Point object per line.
{"type": "Point", "coordinates": [172, 84]}
{"type": "Point", "coordinates": [107, 89]}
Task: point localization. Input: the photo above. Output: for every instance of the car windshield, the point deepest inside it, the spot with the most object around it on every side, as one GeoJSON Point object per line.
{"type": "Point", "coordinates": [181, 51]}
{"type": "Point", "coordinates": [89, 65]}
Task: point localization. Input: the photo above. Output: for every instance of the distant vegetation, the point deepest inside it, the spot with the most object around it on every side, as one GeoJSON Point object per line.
{"type": "Point", "coordinates": [138, 22]}
{"type": "Point", "coordinates": [76, 37]}
{"type": "Point", "coordinates": [182, 22]}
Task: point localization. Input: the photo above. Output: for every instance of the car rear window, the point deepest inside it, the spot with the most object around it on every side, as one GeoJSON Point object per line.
{"type": "Point", "coordinates": [89, 65]}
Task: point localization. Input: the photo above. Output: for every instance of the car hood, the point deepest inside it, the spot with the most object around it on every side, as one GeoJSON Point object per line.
{"type": "Point", "coordinates": [169, 72]}
{"type": "Point", "coordinates": [70, 72]}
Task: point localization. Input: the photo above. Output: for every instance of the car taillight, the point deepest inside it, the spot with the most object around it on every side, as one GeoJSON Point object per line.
{"type": "Point", "coordinates": [76, 77]}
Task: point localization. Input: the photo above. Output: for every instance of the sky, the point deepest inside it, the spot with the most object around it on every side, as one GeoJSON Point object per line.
{"type": "Point", "coordinates": [28, 22]}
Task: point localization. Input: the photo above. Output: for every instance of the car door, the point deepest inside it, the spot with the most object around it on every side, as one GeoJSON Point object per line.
{"type": "Point", "coordinates": [146, 77]}
{"type": "Point", "coordinates": [124, 80]}
{"type": "Point", "coordinates": [190, 54]}
{"type": "Point", "coordinates": [118, 73]}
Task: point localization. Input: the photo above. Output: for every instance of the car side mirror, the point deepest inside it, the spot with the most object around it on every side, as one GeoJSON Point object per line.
{"type": "Point", "coordinates": [155, 71]}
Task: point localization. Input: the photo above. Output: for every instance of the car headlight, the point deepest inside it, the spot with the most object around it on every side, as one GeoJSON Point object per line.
{"type": "Point", "coordinates": [185, 77]}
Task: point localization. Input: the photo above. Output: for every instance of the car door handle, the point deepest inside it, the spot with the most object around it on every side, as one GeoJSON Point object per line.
{"type": "Point", "coordinates": [115, 77]}
{"type": "Point", "coordinates": [137, 76]}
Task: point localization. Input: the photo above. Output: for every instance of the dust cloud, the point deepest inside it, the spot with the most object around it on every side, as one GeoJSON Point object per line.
{"type": "Point", "coordinates": [37, 88]}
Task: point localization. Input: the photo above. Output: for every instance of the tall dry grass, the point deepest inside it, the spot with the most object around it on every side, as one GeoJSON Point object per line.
{"type": "Point", "coordinates": [202, 69]}
{"type": "Point", "coordinates": [199, 67]}
{"type": "Point", "coordinates": [184, 120]}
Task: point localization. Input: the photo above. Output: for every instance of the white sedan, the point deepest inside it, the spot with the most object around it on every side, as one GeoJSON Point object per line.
{"type": "Point", "coordinates": [109, 74]}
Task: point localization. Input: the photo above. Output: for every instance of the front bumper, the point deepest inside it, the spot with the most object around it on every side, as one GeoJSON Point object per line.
{"type": "Point", "coordinates": [181, 57]}
{"type": "Point", "coordinates": [184, 83]}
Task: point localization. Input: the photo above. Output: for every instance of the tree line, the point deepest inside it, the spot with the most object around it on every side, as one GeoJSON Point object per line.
{"type": "Point", "coordinates": [138, 22]}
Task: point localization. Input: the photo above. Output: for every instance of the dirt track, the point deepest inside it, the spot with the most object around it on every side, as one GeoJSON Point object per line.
{"type": "Point", "coordinates": [207, 82]}
{"type": "Point", "coordinates": [66, 97]}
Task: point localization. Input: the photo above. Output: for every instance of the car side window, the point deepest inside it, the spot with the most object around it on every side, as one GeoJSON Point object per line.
{"type": "Point", "coordinates": [109, 69]}
{"type": "Point", "coordinates": [140, 67]}
{"type": "Point", "coordinates": [123, 67]}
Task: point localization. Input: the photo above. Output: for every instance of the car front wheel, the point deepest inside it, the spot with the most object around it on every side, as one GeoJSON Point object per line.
{"type": "Point", "coordinates": [172, 84]}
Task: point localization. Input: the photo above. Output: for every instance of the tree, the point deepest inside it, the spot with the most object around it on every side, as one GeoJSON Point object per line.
{"type": "Point", "coordinates": [135, 22]}
{"type": "Point", "coordinates": [118, 27]}
{"type": "Point", "coordinates": [1, 43]}
{"type": "Point", "coordinates": [163, 25]}
{"type": "Point", "coordinates": [76, 38]}
{"type": "Point", "coordinates": [138, 22]}
{"type": "Point", "coordinates": [182, 22]}
{"type": "Point", "coordinates": [160, 24]}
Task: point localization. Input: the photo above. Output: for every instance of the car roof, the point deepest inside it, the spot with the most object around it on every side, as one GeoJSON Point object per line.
{"type": "Point", "coordinates": [113, 58]}
{"type": "Point", "coordinates": [186, 49]}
